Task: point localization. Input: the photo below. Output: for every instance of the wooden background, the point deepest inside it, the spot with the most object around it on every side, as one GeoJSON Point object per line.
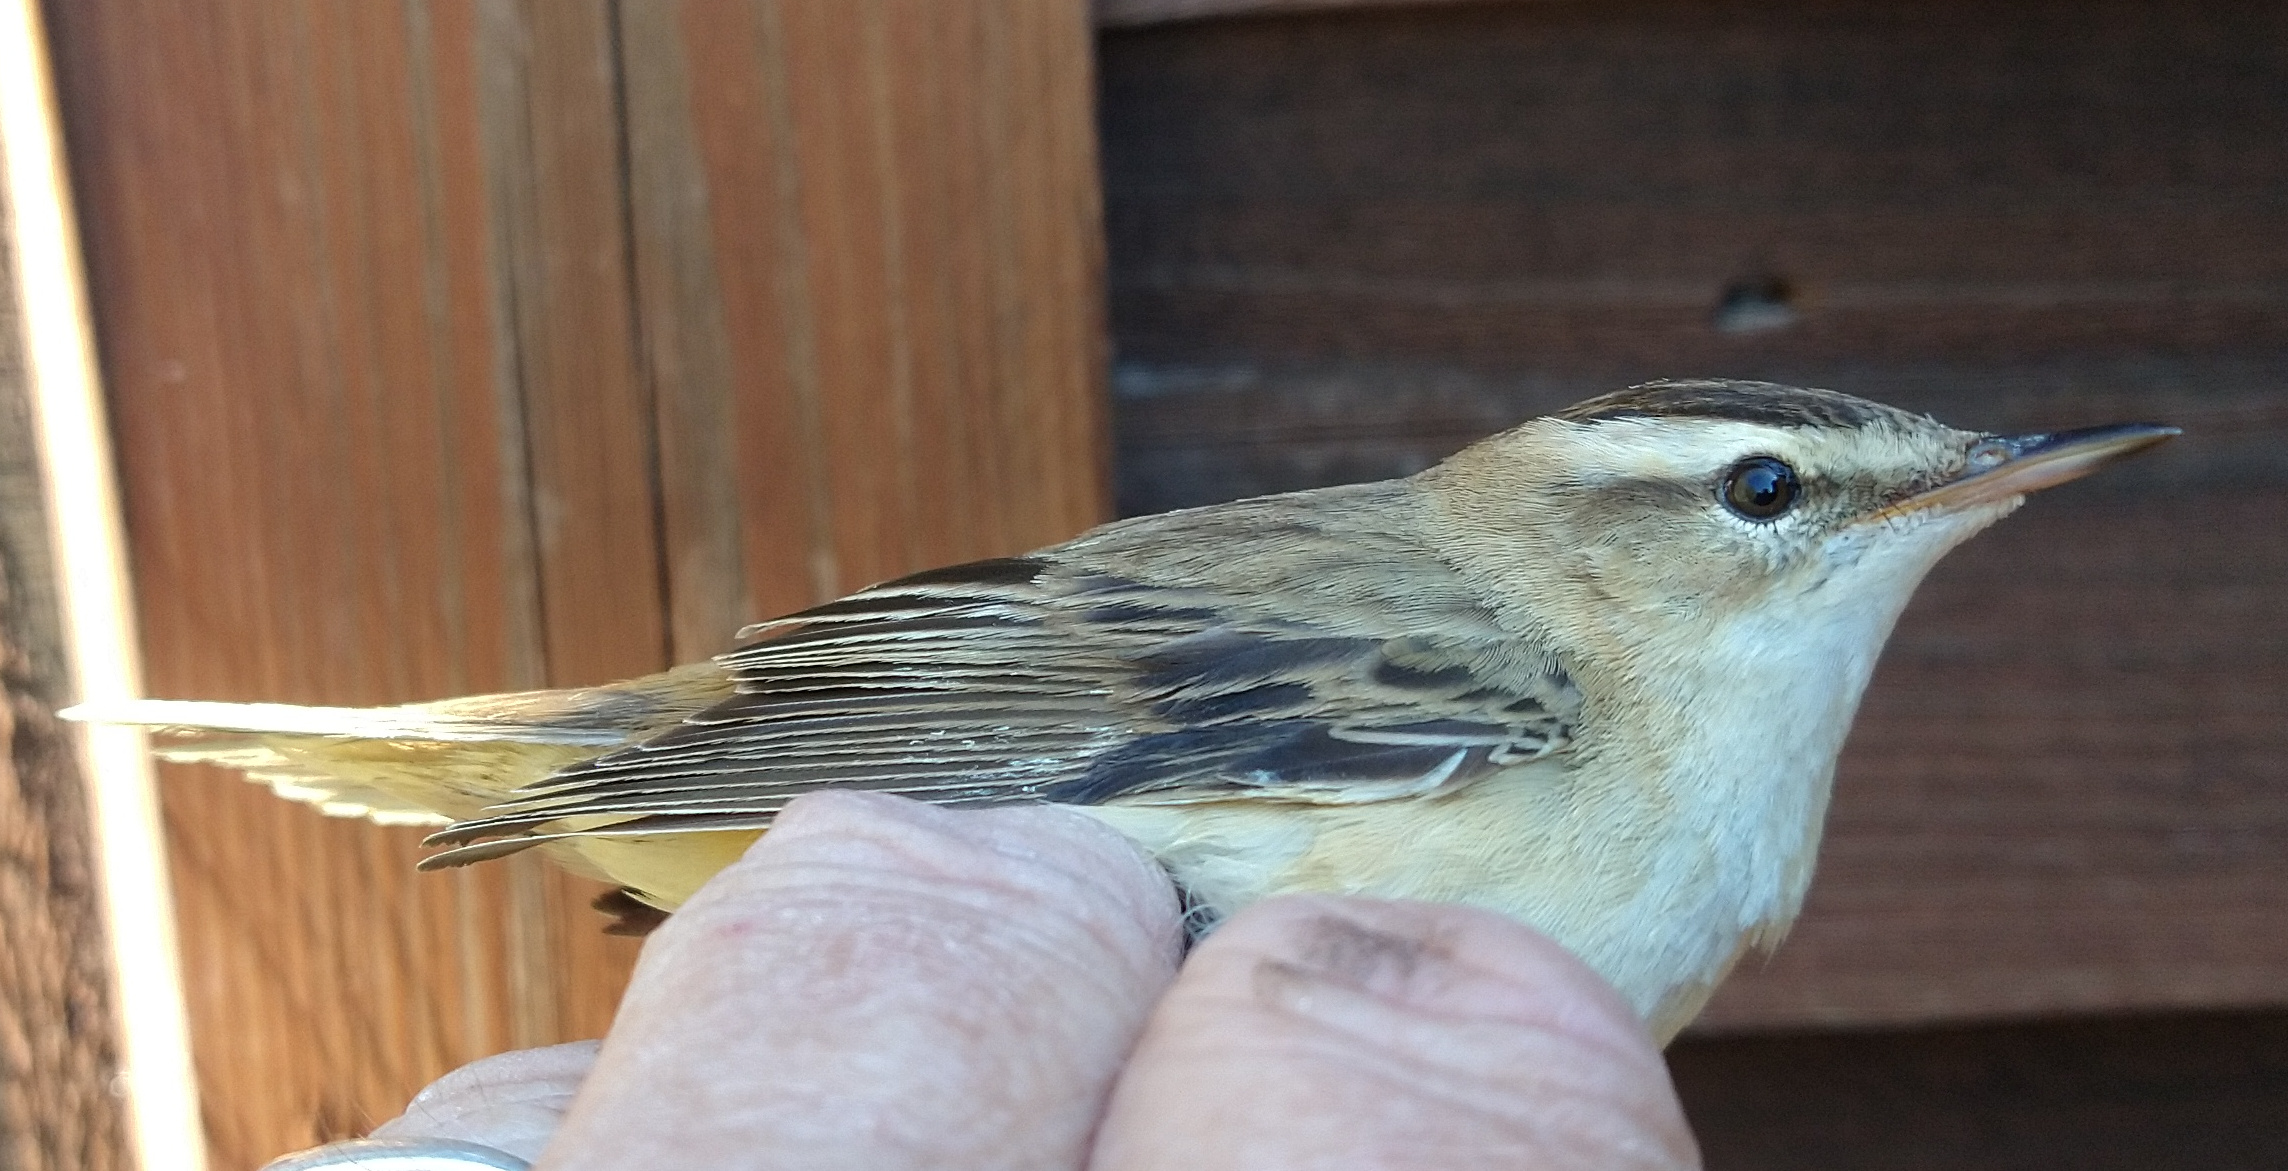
{"type": "Point", "coordinates": [2177, 1092]}
{"type": "Point", "coordinates": [468, 344]}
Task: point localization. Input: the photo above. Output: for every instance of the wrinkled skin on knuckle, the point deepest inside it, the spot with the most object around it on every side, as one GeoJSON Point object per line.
{"type": "Point", "coordinates": [948, 985]}
{"type": "Point", "coordinates": [1404, 1035]}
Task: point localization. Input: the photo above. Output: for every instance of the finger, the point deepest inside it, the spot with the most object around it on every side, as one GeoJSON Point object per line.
{"type": "Point", "coordinates": [510, 1101]}
{"type": "Point", "coordinates": [1368, 1034]}
{"type": "Point", "coordinates": [882, 984]}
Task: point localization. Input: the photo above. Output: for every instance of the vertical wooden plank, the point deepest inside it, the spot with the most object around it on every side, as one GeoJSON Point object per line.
{"type": "Point", "coordinates": [738, 99]}
{"type": "Point", "coordinates": [288, 248]}
{"type": "Point", "coordinates": [935, 121]}
{"type": "Point", "coordinates": [903, 226]}
{"type": "Point", "coordinates": [554, 147]}
{"type": "Point", "coordinates": [554, 152]}
{"type": "Point", "coordinates": [1041, 169]}
{"type": "Point", "coordinates": [833, 116]}
{"type": "Point", "coordinates": [462, 347]}
{"type": "Point", "coordinates": [96, 1068]}
{"type": "Point", "coordinates": [688, 365]}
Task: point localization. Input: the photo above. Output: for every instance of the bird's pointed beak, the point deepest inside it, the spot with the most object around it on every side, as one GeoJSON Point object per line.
{"type": "Point", "coordinates": [2003, 466]}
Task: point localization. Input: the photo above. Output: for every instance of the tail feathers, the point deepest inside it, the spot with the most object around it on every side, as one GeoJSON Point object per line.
{"type": "Point", "coordinates": [390, 765]}
{"type": "Point", "coordinates": [417, 765]}
{"type": "Point", "coordinates": [394, 766]}
{"type": "Point", "coordinates": [334, 795]}
{"type": "Point", "coordinates": [443, 722]}
{"type": "Point", "coordinates": [420, 764]}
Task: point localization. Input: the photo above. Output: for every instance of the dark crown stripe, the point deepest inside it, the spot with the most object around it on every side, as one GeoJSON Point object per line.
{"type": "Point", "coordinates": [1767, 403]}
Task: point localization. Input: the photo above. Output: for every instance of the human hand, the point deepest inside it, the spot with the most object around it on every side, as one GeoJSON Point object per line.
{"type": "Point", "coordinates": [882, 984]}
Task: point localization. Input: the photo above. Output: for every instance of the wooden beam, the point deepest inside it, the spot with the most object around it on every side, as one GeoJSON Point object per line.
{"type": "Point", "coordinates": [95, 1071]}
{"type": "Point", "coordinates": [463, 347]}
{"type": "Point", "coordinates": [56, 1105]}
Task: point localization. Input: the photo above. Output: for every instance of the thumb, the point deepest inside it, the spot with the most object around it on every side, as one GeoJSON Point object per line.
{"type": "Point", "coordinates": [1369, 1034]}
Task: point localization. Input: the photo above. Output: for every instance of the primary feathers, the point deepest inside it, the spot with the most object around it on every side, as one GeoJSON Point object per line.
{"type": "Point", "coordinates": [1121, 666]}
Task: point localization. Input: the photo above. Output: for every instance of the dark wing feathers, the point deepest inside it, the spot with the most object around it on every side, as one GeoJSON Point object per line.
{"type": "Point", "coordinates": [1020, 679]}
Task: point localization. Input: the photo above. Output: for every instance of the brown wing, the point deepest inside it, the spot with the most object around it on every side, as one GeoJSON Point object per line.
{"type": "Point", "coordinates": [1034, 679]}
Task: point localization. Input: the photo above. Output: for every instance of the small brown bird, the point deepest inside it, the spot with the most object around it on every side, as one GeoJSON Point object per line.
{"type": "Point", "coordinates": [1592, 672]}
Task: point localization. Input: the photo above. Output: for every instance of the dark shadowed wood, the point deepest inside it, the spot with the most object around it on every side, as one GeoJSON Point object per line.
{"type": "Point", "coordinates": [2120, 1094]}
{"type": "Point", "coordinates": [1127, 13]}
{"type": "Point", "coordinates": [1583, 183]}
{"type": "Point", "coordinates": [1344, 245]}
{"type": "Point", "coordinates": [459, 347]}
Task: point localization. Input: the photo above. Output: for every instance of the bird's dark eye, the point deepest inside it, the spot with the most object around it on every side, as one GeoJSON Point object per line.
{"type": "Point", "coordinates": [1760, 488]}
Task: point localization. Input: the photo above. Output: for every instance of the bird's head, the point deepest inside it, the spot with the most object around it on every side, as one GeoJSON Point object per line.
{"type": "Point", "coordinates": [1662, 516]}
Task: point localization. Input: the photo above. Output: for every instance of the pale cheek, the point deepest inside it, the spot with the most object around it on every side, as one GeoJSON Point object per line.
{"type": "Point", "coordinates": [1864, 581]}
{"type": "Point", "coordinates": [1708, 574]}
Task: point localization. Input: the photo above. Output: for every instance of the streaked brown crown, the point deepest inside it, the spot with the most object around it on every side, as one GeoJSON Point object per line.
{"type": "Point", "coordinates": [1768, 403]}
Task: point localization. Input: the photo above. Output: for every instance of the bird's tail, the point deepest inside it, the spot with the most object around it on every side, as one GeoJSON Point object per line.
{"type": "Point", "coordinates": [419, 764]}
